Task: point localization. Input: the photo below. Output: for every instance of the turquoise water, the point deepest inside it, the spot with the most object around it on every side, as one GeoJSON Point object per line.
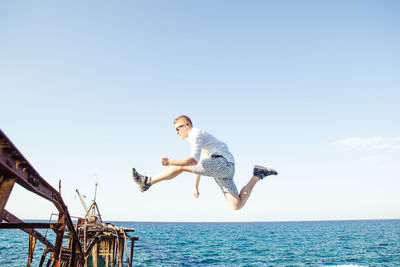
{"type": "Point", "coordinates": [326, 243]}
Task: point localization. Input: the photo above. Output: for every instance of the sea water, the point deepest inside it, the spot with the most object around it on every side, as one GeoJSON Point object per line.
{"type": "Point", "coordinates": [319, 243]}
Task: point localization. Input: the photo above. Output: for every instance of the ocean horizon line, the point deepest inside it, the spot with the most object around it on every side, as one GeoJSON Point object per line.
{"type": "Point", "coordinates": [261, 221]}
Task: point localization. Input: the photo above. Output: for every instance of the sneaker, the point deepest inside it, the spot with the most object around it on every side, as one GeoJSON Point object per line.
{"type": "Point", "coordinates": [142, 181]}
{"type": "Point", "coordinates": [262, 172]}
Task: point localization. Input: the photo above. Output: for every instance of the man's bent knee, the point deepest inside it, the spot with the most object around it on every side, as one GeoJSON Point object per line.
{"type": "Point", "coordinates": [236, 206]}
{"type": "Point", "coordinates": [186, 169]}
{"type": "Point", "coordinates": [234, 201]}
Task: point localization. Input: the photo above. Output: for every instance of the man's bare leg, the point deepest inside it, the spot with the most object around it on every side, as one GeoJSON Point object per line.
{"type": "Point", "coordinates": [238, 201]}
{"type": "Point", "coordinates": [169, 174]}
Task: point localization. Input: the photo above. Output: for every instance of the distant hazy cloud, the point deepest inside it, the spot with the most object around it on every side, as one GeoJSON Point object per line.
{"type": "Point", "coordinates": [374, 143]}
{"type": "Point", "coordinates": [383, 151]}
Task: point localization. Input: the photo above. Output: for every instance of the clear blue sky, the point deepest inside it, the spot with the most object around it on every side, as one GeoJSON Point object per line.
{"type": "Point", "coordinates": [89, 89]}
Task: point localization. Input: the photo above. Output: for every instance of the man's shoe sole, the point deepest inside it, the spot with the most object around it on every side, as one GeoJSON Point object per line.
{"type": "Point", "coordinates": [136, 182]}
{"type": "Point", "coordinates": [272, 171]}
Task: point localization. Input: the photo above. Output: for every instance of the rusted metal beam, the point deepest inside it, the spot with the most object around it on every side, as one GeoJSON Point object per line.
{"type": "Point", "coordinates": [120, 260]}
{"type": "Point", "coordinates": [90, 247]}
{"type": "Point", "coordinates": [50, 260]}
{"type": "Point", "coordinates": [43, 258]}
{"type": "Point", "coordinates": [133, 239]}
{"type": "Point", "coordinates": [32, 243]}
{"type": "Point", "coordinates": [54, 226]}
{"type": "Point", "coordinates": [95, 254]}
{"type": "Point", "coordinates": [13, 165]}
{"type": "Point", "coordinates": [6, 186]}
{"type": "Point", "coordinates": [12, 219]}
{"type": "Point", "coordinates": [72, 230]}
{"type": "Point", "coordinates": [14, 168]}
{"type": "Point", "coordinates": [59, 240]}
{"type": "Point", "coordinates": [73, 249]}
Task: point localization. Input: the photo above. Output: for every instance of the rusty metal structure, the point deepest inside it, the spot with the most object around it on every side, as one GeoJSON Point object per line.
{"type": "Point", "coordinates": [90, 242]}
{"type": "Point", "coordinates": [103, 243]}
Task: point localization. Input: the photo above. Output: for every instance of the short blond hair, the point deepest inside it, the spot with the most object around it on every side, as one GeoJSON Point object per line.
{"type": "Point", "coordinates": [184, 119]}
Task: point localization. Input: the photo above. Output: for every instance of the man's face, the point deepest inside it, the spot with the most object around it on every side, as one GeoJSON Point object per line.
{"type": "Point", "coordinates": [182, 129]}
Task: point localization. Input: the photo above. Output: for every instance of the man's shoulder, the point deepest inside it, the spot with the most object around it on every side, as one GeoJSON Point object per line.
{"type": "Point", "coordinates": [196, 133]}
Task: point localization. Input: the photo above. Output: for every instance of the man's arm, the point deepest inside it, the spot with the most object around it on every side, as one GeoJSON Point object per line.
{"type": "Point", "coordinates": [178, 162]}
{"type": "Point", "coordinates": [196, 186]}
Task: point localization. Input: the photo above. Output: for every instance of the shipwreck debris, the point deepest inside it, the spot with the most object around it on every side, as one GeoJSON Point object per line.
{"type": "Point", "coordinates": [90, 241]}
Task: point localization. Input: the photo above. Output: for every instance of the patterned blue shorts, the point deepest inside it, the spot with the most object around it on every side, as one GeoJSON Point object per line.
{"type": "Point", "coordinates": [222, 171]}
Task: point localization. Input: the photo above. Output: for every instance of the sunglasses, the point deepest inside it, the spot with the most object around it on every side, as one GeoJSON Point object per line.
{"type": "Point", "coordinates": [179, 127]}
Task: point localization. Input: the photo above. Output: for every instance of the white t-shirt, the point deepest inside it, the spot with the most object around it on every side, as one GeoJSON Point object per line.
{"type": "Point", "coordinates": [202, 142]}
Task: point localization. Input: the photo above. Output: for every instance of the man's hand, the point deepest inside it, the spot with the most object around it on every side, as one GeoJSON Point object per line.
{"type": "Point", "coordinates": [196, 186]}
{"type": "Point", "coordinates": [165, 161]}
{"type": "Point", "coordinates": [196, 193]}
{"type": "Point", "coordinates": [178, 162]}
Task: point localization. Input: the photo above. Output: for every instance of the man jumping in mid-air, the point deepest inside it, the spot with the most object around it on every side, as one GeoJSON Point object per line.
{"type": "Point", "coordinates": [208, 157]}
